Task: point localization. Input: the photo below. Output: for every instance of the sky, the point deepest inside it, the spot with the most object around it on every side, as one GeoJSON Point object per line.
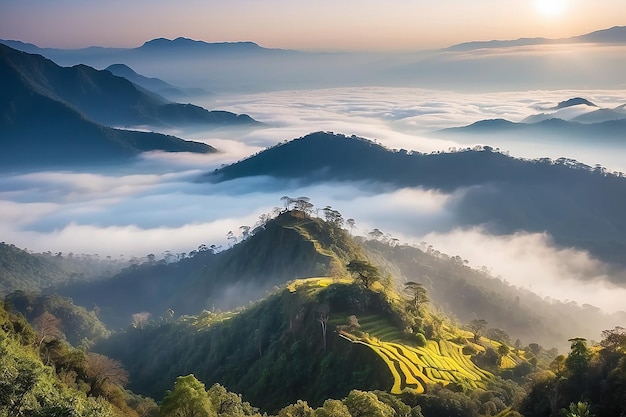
{"type": "Point", "coordinates": [305, 25]}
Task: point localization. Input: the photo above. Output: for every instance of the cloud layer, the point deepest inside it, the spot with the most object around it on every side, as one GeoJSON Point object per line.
{"type": "Point", "coordinates": [154, 205]}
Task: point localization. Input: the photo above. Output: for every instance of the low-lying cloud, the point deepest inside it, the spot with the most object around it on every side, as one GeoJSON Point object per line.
{"type": "Point", "coordinates": [155, 205]}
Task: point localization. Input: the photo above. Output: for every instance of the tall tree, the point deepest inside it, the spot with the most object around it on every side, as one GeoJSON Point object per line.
{"type": "Point", "coordinates": [188, 399]}
{"type": "Point", "coordinates": [364, 271]}
{"type": "Point", "coordinates": [47, 327]}
{"type": "Point", "coordinates": [103, 370]}
{"type": "Point", "coordinates": [577, 362]}
{"type": "Point", "coordinates": [477, 326]}
{"type": "Point", "coordinates": [417, 295]}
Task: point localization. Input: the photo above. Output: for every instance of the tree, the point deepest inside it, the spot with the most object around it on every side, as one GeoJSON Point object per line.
{"type": "Point", "coordinates": [375, 234]}
{"type": "Point", "coordinates": [366, 404]}
{"type": "Point", "coordinates": [417, 294]}
{"type": "Point", "coordinates": [614, 340]}
{"type": "Point", "coordinates": [140, 319]}
{"type": "Point", "coordinates": [577, 362]}
{"type": "Point", "coordinates": [299, 409]}
{"type": "Point", "coordinates": [351, 224]}
{"type": "Point", "coordinates": [477, 326]}
{"type": "Point", "coordinates": [287, 201]}
{"type": "Point", "coordinates": [188, 399]}
{"type": "Point", "coordinates": [102, 370]}
{"type": "Point", "coordinates": [332, 408]}
{"type": "Point", "coordinates": [303, 204]}
{"type": "Point", "coordinates": [245, 231]}
{"type": "Point", "coordinates": [579, 409]}
{"type": "Point", "coordinates": [47, 326]}
{"type": "Point", "coordinates": [323, 319]}
{"type": "Point", "coordinates": [364, 271]}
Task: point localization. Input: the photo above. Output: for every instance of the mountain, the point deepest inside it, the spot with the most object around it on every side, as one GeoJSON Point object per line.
{"type": "Point", "coordinates": [578, 110]}
{"type": "Point", "coordinates": [550, 126]}
{"type": "Point", "coordinates": [155, 85]}
{"type": "Point", "coordinates": [614, 35]}
{"type": "Point", "coordinates": [502, 193]}
{"type": "Point", "coordinates": [42, 127]}
{"type": "Point", "coordinates": [323, 336]}
{"type": "Point", "coordinates": [185, 46]}
{"type": "Point", "coordinates": [109, 99]}
{"type": "Point", "coordinates": [20, 270]}
{"type": "Point", "coordinates": [576, 101]}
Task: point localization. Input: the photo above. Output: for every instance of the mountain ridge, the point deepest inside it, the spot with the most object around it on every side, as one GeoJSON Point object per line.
{"type": "Point", "coordinates": [502, 193]}
{"type": "Point", "coordinates": [613, 35]}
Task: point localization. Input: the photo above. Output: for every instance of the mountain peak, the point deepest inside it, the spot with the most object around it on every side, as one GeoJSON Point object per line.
{"type": "Point", "coordinates": [574, 102]}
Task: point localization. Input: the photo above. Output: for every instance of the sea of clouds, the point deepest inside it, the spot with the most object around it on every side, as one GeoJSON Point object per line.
{"type": "Point", "coordinates": [156, 205]}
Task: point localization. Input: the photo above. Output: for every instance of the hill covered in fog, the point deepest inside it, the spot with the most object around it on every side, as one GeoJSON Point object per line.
{"type": "Point", "coordinates": [579, 206]}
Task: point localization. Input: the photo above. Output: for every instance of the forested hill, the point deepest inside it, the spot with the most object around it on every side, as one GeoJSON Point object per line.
{"type": "Point", "coordinates": [286, 247]}
{"type": "Point", "coordinates": [577, 205]}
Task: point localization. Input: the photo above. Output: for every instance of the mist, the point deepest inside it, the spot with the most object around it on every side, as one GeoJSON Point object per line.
{"type": "Point", "coordinates": [155, 204]}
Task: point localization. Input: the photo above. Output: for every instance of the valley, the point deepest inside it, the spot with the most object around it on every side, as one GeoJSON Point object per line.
{"type": "Point", "coordinates": [237, 228]}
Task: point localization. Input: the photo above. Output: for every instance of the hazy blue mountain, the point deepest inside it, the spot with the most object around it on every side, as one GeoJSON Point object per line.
{"type": "Point", "coordinates": [185, 46]}
{"type": "Point", "coordinates": [503, 193]}
{"type": "Point", "coordinates": [149, 83]}
{"type": "Point", "coordinates": [609, 131]}
{"type": "Point", "coordinates": [573, 102]}
{"type": "Point", "coordinates": [616, 34]}
{"type": "Point", "coordinates": [40, 128]}
{"type": "Point", "coordinates": [109, 99]}
{"type": "Point", "coordinates": [602, 115]}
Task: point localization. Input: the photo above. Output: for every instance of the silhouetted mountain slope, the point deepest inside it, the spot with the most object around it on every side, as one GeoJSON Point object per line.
{"type": "Point", "coordinates": [185, 46]}
{"type": "Point", "coordinates": [39, 128]}
{"type": "Point", "coordinates": [574, 102]}
{"type": "Point", "coordinates": [616, 34]}
{"type": "Point", "coordinates": [153, 84]}
{"type": "Point", "coordinates": [285, 248]}
{"type": "Point", "coordinates": [577, 205]}
{"type": "Point", "coordinates": [610, 131]}
{"type": "Point", "coordinates": [106, 98]}
{"type": "Point", "coordinates": [600, 116]}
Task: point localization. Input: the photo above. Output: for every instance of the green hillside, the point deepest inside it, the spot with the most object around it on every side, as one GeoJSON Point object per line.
{"type": "Point", "coordinates": [290, 246]}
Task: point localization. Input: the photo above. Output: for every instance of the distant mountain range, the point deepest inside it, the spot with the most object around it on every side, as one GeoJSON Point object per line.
{"type": "Point", "coordinates": [614, 35]}
{"type": "Point", "coordinates": [157, 46]}
{"type": "Point", "coordinates": [249, 67]}
{"type": "Point", "coordinates": [573, 119]}
{"type": "Point", "coordinates": [577, 205]}
{"type": "Point", "coordinates": [53, 115]}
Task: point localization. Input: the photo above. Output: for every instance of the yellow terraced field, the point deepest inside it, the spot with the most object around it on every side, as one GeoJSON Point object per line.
{"type": "Point", "coordinates": [414, 368]}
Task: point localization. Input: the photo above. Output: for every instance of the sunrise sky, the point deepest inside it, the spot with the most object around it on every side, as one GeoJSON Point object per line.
{"type": "Point", "coordinates": [300, 24]}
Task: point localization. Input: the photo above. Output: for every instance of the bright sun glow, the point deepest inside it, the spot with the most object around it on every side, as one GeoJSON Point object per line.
{"type": "Point", "coordinates": [551, 8]}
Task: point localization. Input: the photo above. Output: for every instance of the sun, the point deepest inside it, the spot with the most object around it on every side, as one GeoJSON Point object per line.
{"type": "Point", "coordinates": [551, 8]}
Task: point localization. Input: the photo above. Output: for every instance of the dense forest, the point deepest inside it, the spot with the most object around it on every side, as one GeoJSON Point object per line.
{"type": "Point", "coordinates": [349, 326]}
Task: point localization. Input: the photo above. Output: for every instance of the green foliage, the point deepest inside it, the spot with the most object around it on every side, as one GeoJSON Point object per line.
{"type": "Point", "coordinates": [577, 362]}
{"type": "Point", "coordinates": [76, 324]}
{"type": "Point", "coordinates": [579, 409]}
{"type": "Point", "coordinates": [188, 399]}
{"type": "Point", "coordinates": [366, 404]}
{"type": "Point", "coordinates": [364, 271]}
{"type": "Point", "coordinates": [299, 409]}
{"type": "Point", "coordinates": [287, 247]}
{"type": "Point", "coordinates": [333, 408]}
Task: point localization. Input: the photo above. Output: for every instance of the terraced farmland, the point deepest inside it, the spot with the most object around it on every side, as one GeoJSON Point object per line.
{"type": "Point", "coordinates": [414, 368]}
